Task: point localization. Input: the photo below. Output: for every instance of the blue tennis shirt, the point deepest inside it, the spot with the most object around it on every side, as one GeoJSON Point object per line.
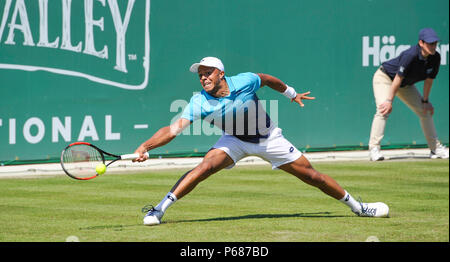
{"type": "Point", "coordinates": [239, 114]}
{"type": "Point", "coordinates": [413, 66]}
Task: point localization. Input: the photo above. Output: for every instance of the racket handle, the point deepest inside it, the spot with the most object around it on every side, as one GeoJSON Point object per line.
{"type": "Point", "coordinates": [131, 156]}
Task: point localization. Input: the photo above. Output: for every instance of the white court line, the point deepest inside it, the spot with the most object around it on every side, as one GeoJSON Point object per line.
{"type": "Point", "coordinates": [186, 163]}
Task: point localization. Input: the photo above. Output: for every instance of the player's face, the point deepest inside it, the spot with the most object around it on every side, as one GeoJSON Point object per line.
{"type": "Point", "coordinates": [209, 77]}
{"type": "Point", "coordinates": [428, 48]}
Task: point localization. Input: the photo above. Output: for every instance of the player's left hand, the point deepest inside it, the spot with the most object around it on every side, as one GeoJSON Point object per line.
{"type": "Point", "coordinates": [298, 99]}
{"type": "Point", "coordinates": [428, 107]}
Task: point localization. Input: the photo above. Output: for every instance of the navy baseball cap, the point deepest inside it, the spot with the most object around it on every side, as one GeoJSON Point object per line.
{"type": "Point", "coordinates": [428, 35]}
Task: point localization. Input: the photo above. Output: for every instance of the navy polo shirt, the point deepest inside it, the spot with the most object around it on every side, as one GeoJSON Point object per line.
{"type": "Point", "coordinates": [413, 66]}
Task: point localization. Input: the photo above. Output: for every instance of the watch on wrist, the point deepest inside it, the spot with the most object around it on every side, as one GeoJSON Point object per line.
{"type": "Point", "coordinates": [424, 101]}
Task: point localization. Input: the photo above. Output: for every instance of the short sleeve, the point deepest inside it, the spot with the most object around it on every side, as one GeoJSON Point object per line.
{"type": "Point", "coordinates": [404, 65]}
{"type": "Point", "coordinates": [248, 82]}
{"type": "Point", "coordinates": [436, 65]}
{"type": "Point", "coordinates": [193, 110]}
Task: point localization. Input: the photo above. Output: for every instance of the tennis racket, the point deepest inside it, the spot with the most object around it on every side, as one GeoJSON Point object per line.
{"type": "Point", "coordinates": [79, 160]}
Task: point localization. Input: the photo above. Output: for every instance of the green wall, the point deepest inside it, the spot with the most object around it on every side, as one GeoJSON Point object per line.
{"type": "Point", "coordinates": [92, 70]}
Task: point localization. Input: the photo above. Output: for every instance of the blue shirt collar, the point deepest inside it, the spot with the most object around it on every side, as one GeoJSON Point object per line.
{"type": "Point", "coordinates": [230, 84]}
{"type": "Point", "coordinates": [420, 53]}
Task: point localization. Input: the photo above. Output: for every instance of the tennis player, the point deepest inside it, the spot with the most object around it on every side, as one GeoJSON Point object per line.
{"type": "Point", "coordinates": [231, 104]}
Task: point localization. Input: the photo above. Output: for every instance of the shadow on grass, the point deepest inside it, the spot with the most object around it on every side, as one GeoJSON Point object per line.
{"type": "Point", "coordinates": [112, 227]}
{"type": "Point", "coordinates": [406, 157]}
{"type": "Point", "coordinates": [255, 216]}
{"type": "Point", "coordinates": [261, 216]}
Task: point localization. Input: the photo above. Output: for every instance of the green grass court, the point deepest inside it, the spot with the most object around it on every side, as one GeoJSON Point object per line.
{"type": "Point", "coordinates": [245, 204]}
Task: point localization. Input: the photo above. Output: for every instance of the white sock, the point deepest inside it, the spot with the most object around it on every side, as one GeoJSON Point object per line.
{"type": "Point", "coordinates": [351, 202]}
{"type": "Point", "coordinates": [167, 201]}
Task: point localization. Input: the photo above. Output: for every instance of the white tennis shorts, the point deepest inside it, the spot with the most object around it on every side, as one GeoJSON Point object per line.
{"type": "Point", "coordinates": [276, 149]}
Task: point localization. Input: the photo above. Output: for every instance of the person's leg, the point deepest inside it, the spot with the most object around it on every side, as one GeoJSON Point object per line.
{"type": "Point", "coordinates": [413, 99]}
{"type": "Point", "coordinates": [381, 85]}
{"type": "Point", "coordinates": [214, 161]}
{"type": "Point", "coordinates": [302, 169]}
{"type": "Point", "coordinates": [283, 155]}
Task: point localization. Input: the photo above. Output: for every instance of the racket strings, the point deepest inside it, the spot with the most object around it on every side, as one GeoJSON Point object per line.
{"type": "Point", "coordinates": [80, 160]}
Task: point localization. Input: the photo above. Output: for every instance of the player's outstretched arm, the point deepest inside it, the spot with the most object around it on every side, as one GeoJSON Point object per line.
{"type": "Point", "coordinates": [278, 85]}
{"type": "Point", "coordinates": [162, 137]}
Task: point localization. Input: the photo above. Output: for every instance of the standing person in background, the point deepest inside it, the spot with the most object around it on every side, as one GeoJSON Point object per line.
{"type": "Point", "coordinates": [397, 77]}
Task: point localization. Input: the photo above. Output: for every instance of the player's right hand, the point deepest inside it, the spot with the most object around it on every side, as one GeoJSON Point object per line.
{"type": "Point", "coordinates": [142, 156]}
{"type": "Point", "coordinates": [385, 108]}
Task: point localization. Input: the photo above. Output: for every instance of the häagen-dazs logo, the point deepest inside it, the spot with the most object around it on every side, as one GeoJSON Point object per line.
{"type": "Point", "coordinates": [379, 49]}
{"type": "Point", "coordinates": [104, 41]}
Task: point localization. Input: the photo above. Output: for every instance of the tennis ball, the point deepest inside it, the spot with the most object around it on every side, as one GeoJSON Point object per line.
{"type": "Point", "coordinates": [100, 169]}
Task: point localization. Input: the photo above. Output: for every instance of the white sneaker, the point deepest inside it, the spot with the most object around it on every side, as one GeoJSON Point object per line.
{"type": "Point", "coordinates": [153, 216]}
{"type": "Point", "coordinates": [377, 209]}
{"type": "Point", "coordinates": [375, 154]}
{"type": "Point", "coordinates": [440, 152]}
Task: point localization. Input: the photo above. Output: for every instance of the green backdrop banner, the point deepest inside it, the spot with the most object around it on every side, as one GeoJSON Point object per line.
{"type": "Point", "coordinates": [113, 72]}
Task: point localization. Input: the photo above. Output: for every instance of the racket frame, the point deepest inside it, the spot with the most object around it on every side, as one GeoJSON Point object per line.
{"type": "Point", "coordinates": [102, 154]}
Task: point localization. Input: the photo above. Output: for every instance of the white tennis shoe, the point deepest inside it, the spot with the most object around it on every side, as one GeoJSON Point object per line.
{"type": "Point", "coordinates": [440, 152]}
{"type": "Point", "coordinates": [153, 217]}
{"type": "Point", "coordinates": [375, 154]}
{"type": "Point", "coordinates": [377, 209]}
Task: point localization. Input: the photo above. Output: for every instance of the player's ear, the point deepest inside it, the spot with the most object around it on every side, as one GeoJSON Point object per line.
{"type": "Point", "coordinates": [420, 43]}
{"type": "Point", "coordinates": [222, 75]}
